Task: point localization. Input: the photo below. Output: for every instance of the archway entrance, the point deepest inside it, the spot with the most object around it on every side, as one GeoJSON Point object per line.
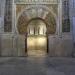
{"type": "Point", "coordinates": [36, 38]}
{"type": "Point", "coordinates": [36, 23]}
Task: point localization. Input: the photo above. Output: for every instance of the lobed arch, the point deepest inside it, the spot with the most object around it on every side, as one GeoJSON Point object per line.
{"type": "Point", "coordinates": [26, 20]}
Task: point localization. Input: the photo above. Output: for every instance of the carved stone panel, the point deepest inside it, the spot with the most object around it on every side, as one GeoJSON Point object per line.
{"type": "Point", "coordinates": [24, 13]}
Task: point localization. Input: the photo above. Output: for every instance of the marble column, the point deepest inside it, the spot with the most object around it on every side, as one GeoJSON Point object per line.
{"type": "Point", "coordinates": [13, 17]}
{"type": "Point", "coordinates": [59, 19]}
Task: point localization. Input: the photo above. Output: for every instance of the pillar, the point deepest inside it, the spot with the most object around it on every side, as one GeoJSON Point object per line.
{"type": "Point", "coordinates": [59, 19]}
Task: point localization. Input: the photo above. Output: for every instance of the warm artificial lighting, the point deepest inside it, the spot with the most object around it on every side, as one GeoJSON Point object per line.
{"type": "Point", "coordinates": [38, 41]}
{"type": "Point", "coordinates": [36, 27]}
{"type": "Point", "coordinates": [41, 41]}
{"type": "Point", "coordinates": [37, 45]}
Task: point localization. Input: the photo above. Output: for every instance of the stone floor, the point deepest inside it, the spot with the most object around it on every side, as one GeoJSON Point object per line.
{"type": "Point", "coordinates": [37, 66]}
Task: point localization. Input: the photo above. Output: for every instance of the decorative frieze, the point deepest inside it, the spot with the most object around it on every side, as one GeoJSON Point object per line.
{"type": "Point", "coordinates": [36, 1]}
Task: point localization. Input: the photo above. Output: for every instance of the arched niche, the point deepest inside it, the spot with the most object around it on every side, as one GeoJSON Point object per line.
{"type": "Point", "coordinates": [33, 13]}
{"type": "Point", "coordinates": [36, 27]}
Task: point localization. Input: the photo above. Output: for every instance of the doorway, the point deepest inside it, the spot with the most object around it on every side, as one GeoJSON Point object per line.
{"type": "Point", "coordinates": [36, 38]}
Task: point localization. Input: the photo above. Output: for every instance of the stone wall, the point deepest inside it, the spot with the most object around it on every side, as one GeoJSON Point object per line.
{"type": "Point", "coordinates": [6, 45]}
{"type": "Point", "coordinates": [61, 46]}
{"type": "Point", "coordinates": [72, 15]}
{"type": "Point", "coordinates": [14, 45]}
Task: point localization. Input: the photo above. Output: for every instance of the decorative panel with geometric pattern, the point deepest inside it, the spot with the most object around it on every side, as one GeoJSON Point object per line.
{"type": "Point", "coordinates": [66, 19]}
{"type": "Point", "coordinates": [8, 16]}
